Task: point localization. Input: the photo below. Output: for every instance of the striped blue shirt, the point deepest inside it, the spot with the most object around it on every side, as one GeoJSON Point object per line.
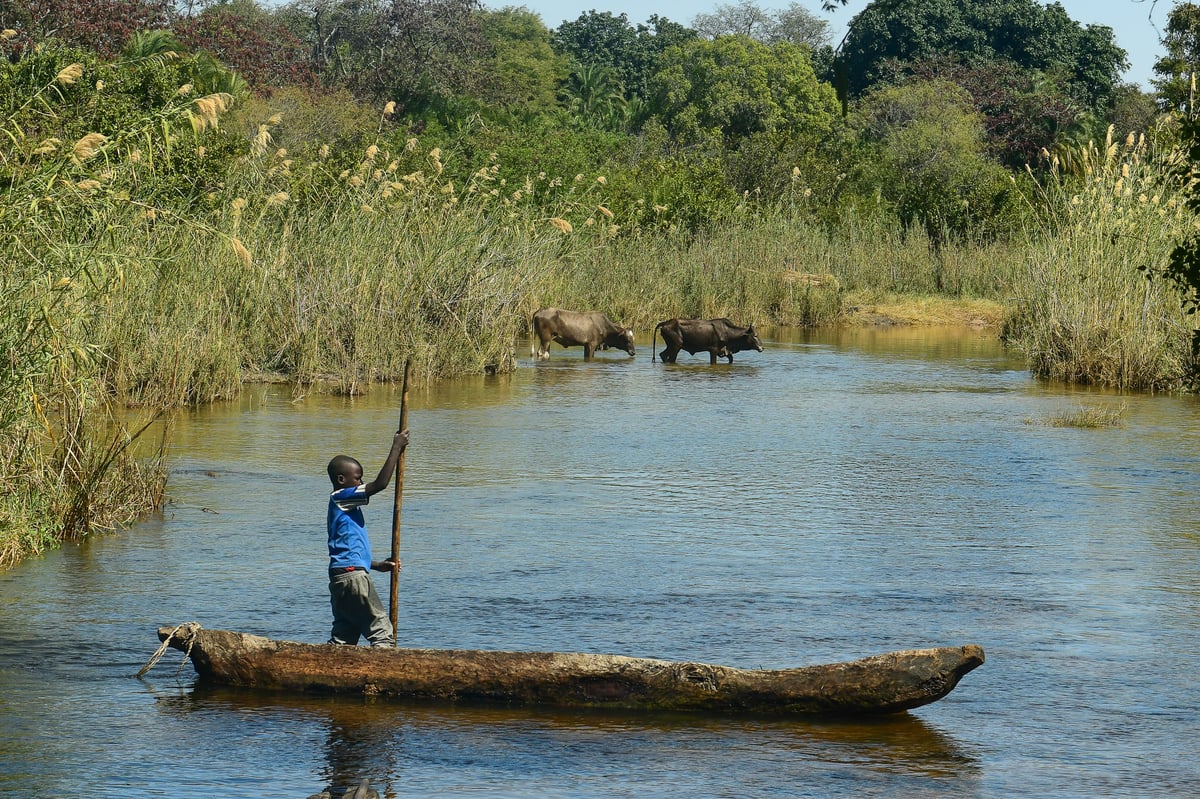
{"type": "Point", "coordinates": [348, 542]}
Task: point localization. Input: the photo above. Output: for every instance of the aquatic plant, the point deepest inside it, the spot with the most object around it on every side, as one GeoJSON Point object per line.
{"type": "Point", "coordinates": [1086, 417]}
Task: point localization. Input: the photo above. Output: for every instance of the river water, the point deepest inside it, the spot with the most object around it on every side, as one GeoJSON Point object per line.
{"type": "Point", "coordinates": [839, 495]}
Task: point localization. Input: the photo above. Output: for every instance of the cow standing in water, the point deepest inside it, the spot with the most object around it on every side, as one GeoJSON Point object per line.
{"type": "Point", "coordinates": [719, 337]}
{"type": "Point", "coordinates": [591, 329]}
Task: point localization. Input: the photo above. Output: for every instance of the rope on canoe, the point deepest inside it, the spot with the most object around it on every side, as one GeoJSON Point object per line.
{"type": "Point", "coordinates": [187, 629]}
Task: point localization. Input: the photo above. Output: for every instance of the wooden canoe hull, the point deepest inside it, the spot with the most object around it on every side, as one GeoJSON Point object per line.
{"type": "Point", "coordinates": [887, 683]}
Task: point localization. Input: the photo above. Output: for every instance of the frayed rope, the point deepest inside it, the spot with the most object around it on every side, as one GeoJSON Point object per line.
{"type": "Point", "coordinates": [186, 630]}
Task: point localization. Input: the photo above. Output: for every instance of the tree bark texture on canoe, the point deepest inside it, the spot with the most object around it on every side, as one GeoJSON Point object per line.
{"type": "Point", "coordinates": [886, 683]}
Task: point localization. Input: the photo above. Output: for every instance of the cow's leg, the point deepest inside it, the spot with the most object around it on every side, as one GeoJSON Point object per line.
{"type": "Point", "coordinates": [712, 357]}
{"type": "Point", "coordinates": [589, 349]}
{"type": "Point", "coordinates": [668, 355]}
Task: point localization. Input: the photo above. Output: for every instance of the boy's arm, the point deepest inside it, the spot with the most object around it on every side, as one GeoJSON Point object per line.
{"type": "Point", "coordinates": [399, 442]}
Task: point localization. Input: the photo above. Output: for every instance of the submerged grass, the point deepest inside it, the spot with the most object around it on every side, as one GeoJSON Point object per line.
{"type": "Point", "coordinates": [1089, 417]}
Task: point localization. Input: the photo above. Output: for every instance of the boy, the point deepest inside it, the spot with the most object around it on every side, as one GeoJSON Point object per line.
{"type": "Point", "coordinates": [357, 609]}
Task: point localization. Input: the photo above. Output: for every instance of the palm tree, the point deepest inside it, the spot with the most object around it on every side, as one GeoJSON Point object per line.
{"type": "Point", "coordinates": [594, 94]}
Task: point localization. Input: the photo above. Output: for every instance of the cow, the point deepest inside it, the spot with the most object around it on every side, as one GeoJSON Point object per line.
{"type": "Point", "coordinates": [721, 338]}
{"type": "Point", "coordinates": [592, 329]}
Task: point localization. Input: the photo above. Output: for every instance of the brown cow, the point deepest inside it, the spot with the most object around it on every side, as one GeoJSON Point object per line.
{"type": "Point", "coordinates": [719, 337]}
{"type": "Point", "coordinates": [592, 329]}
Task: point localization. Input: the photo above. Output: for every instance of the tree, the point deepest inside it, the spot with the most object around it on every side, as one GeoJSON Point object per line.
{"type": "Point", "coordinates": [1132, 109]}
{"type": "Point", "coordinates": [632, 53]}
{"type": "Point", "coordinates": [925, 155]}
{"type": "Point", "coordinates": [1177, 84]}
{"type": "Point", "coordinates": [246, 38]}
{"type": "Point", "coordinates": [596, 97]}
{"type": "Point", "coordinates": [736, 87]}
{"type": "Point", "coordinates": [795, 24]}
{"type": "Point", "coordinates": [418, 53]}
{"type": "Point", "coordinates": [1021, 112]}
{"type": "Point", "coordinates": [523, 70]}
{"type": "Point", "coordinates": [1086, 62]}
{"type": "Point", "coordinates": [103, 26]}
{"type": "Point", "coordinates": [798, 25]}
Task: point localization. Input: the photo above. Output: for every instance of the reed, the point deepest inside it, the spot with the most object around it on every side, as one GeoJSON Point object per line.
{"type": "Point", "coordinates": [335, 268]}
{"type": "Point", "coordinates": [69, 458]}
{"type": "Point", "coordinates": [1087, 314]}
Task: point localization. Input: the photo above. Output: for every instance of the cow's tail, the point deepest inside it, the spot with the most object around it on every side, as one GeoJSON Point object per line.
{"type": "Point", "coordinates": [654, 339]}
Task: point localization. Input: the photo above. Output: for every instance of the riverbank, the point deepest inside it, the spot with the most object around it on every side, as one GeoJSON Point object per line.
{"type": "Point", "coordinates": [882, 308]}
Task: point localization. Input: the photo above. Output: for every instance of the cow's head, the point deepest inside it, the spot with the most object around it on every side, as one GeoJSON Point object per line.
{"type": "Point", "coordinates": [620, 338]}
{"type": "Point", "coordinates": [626, 340]}
{"type": "Point", "coordinates": [752, 340]}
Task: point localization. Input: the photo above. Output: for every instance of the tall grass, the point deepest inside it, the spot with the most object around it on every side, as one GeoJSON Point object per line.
{"type": "Point", "coordinates": [338, 274]}
{"type": "Point", "coordinates": [1086, 312]}
{"type": "Point", "coordinates": [67, 460]}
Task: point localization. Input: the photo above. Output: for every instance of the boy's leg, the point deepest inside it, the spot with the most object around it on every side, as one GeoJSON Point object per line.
{"type": "Point", "coordinates": [345, 599]}
{"type": "Point", "coordinates": [379, 629]}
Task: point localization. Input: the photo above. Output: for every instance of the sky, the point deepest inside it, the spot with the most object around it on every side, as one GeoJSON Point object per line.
{"type": "Point", "coordinates": [1138, 24]}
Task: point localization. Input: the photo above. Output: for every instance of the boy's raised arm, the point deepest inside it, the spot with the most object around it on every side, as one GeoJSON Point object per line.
{"type": "Point", "coordinates": [399, 442]}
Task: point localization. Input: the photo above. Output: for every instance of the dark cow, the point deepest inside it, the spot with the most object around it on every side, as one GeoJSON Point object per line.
{"type": "Point", "coordinates": [592, 329]}
{"type": "Point", "coordinates": [719, 337]}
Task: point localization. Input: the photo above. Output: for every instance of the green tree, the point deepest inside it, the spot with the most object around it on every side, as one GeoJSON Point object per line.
{"type": "Point", "coordinates": [631, 52]}
{"type": "Point", "coordinates": [596, 97]}
{"type": "Point", "coordinates": [924, 154]}
{"type": "Point", "coordinates": [419, 53]}
{"type": "Point", "coordinates": [735, 87]}
{"type": "Point", "coordinates": [1022, 113]}
{"type": "Point", "coordinates": [1086, 61]}
{"type": "Point", "coordinates": [1177, 69]}
{"type": "Point", "coordinates": [523, 71]}
{"type": "Point", "coordinates": [1132, 109]}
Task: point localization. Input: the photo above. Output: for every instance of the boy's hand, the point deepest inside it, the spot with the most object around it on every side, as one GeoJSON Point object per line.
{"type": "Point", "coordinates": [400, 440]}
{"type": "Point", "coordinates": [387, 565]}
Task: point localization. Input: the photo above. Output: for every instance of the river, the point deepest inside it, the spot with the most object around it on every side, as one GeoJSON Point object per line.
{"type": "Point", "coordinates": [842, 494]}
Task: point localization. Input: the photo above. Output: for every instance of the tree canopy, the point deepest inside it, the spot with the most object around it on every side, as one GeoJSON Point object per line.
{"type": "Point", "coordinates": [1177, 69]}
{"type": "Point", "coordinates": [1085, 60]}
{"type": "Point", "coordinates": [795, 24]}
{"type": "Point", "coordinates": [630, 52]}
{"type": "Point", "coordinates": [736, 86]}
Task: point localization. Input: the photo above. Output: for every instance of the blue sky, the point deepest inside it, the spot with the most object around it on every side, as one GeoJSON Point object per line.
{"type": "Point", "coordinates": [1137, 23]}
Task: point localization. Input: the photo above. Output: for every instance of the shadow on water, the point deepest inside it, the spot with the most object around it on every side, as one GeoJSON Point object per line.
{"type": "Point", "coordinates": [385, 740]}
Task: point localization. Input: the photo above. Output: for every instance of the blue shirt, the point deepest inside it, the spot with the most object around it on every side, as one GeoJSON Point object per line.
{"type": "Point", "coordinates": [348, 542]}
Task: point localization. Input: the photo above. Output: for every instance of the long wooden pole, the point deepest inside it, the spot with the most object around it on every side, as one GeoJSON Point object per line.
{"type": "Point", "coordinates": [395, 597]}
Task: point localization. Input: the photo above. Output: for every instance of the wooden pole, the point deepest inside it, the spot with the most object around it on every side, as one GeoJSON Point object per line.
{"type": "Point", "coordinates": [395, 596]}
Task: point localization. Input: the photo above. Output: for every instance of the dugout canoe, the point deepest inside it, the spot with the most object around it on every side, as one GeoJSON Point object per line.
{"type": "Point", "coordinates": [881, 684]}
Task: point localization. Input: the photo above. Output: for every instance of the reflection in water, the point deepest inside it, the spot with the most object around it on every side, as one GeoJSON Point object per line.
{"type": "Point", "coordinates": [388, 741]}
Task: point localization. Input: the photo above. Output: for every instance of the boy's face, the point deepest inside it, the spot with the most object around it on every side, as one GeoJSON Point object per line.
{"type": "Point", "coordinates": [351, 476]}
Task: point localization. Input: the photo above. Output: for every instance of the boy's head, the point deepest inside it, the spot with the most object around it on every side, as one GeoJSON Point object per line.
{"type": "Point", "coordinates": [344, 471]}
